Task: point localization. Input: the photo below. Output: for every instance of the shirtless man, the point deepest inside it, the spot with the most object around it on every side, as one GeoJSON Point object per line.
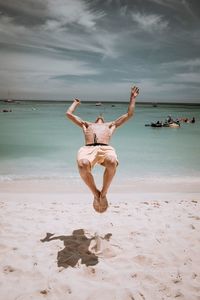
{"type": "Point", "coordinates": [97, 150]}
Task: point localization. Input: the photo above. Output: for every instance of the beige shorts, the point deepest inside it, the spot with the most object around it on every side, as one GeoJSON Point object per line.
{"type": "Point", "coordinates": [96, 154]}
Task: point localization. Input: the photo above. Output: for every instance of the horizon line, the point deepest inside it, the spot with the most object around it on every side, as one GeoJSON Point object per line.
{"type": "Point", "coordinates": [101, 102]}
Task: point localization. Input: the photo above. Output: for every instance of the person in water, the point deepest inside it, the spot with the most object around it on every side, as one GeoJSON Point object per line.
{"type": "Point", "coordinates": [97, 149]}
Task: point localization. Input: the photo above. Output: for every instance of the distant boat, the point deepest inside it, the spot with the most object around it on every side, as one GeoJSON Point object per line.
{"type": "Point", "coordinates": [9, 100]}
{"type": "Point", "coordinates": [154, 104]}
{"type": "Point", "coordinates": [98, 104]}
{"type": "Point", "coordinates": [6, 110]}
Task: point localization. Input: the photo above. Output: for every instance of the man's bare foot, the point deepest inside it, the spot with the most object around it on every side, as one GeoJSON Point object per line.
{"type": "Point", "coordinates": [96, 202]}
{"type": "Point", "coordinates": [100, 203]}
{"type": "Point", "coordinates": [103, 203]}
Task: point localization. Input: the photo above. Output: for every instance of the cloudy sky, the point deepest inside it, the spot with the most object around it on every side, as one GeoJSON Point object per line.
{"type": "Point", "coordinates": [97, 49]}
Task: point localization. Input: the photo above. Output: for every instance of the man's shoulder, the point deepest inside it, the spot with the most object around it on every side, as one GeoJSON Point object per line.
{"type": "Point", "coordinates": [111, 124]}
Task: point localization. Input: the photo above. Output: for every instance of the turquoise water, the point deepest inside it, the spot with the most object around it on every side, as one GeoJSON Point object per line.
{"type": "Point", "coordinates": [36, 140]}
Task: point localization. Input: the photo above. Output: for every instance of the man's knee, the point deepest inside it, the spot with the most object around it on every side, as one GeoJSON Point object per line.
{"type": "Point", "coordinates": [84, 165]}
{"type": "Point", "coordinates": [110, 161]}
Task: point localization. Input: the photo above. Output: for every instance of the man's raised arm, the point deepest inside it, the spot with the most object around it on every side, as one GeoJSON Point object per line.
{"type": "Point", "coordinates": [71, 116]}
{"type": "Point", "coordinates": [121, 120]}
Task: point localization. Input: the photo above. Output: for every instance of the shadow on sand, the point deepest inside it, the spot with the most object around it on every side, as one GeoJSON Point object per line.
{"type": "Point", "coordinates": [76, 248]}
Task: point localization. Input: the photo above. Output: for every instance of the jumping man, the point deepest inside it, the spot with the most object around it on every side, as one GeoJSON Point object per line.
{"type": "Point", "coordinates": [97, 149]}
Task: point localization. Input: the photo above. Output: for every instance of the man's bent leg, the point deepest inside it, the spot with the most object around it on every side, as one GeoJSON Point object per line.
{"type": "Point", "coordinates": [110, 163]}
{"type": "Point", "coordinates": [86, 175]}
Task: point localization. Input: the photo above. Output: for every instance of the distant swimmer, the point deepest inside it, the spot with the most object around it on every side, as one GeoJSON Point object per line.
{"type": "Point", "coordinates": [169, 119]}
{"type": "Point", "coordinates": [186, 120]}
{"type": "Point", "coordinates": [193, 120]}
{"type": "Point", "coordinates": [97, 149]}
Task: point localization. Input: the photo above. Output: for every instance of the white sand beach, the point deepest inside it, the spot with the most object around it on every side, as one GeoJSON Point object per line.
{"type": "Point", "coordinates": [145, 247]}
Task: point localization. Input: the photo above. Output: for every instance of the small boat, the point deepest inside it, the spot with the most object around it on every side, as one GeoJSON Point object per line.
{"type": "Point", "coordinates": [9, 101]}
{"type": "Point", "coordinates": [157, 125]}
{"type": "Point", "coordinates": [174, 125]}
{"type": "Point", "coordinates": [98, 104]}
{"type": "Point", "coordinates": [6, 110]}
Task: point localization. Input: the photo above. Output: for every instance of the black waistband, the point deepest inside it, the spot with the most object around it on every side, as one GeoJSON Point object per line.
{"type": "Point", "coordinates": [97, 144]}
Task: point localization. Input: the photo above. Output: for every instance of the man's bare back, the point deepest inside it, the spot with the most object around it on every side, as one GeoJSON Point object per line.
{"type": "Point", "coordinates": [97, 149]}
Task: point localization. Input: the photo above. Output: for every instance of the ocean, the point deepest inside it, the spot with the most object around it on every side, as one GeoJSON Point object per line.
{"type": "Point", "coordinates": [38, 141]}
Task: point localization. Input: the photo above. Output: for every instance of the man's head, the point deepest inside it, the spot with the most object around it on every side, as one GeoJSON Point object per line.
{"type": "Point", "coordinates": [99, 119]}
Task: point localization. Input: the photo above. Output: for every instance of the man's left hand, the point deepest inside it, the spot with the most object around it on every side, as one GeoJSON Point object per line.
{"type": "Point", "coordinates": [134, 92]}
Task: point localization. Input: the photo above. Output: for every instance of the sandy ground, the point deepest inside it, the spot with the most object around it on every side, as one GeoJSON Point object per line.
{"type": "Point", "coordinates": [53, 245]}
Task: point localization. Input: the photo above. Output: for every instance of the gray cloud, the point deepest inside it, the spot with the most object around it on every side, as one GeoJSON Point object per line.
{"type": "Point", "coordinates": [103, 46]}
{"type": "Point", "coordinates": [149, 22]}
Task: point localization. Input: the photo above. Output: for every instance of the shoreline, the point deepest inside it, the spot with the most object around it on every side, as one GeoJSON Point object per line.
{"type": "Point", "coordinates": [135, 185]}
